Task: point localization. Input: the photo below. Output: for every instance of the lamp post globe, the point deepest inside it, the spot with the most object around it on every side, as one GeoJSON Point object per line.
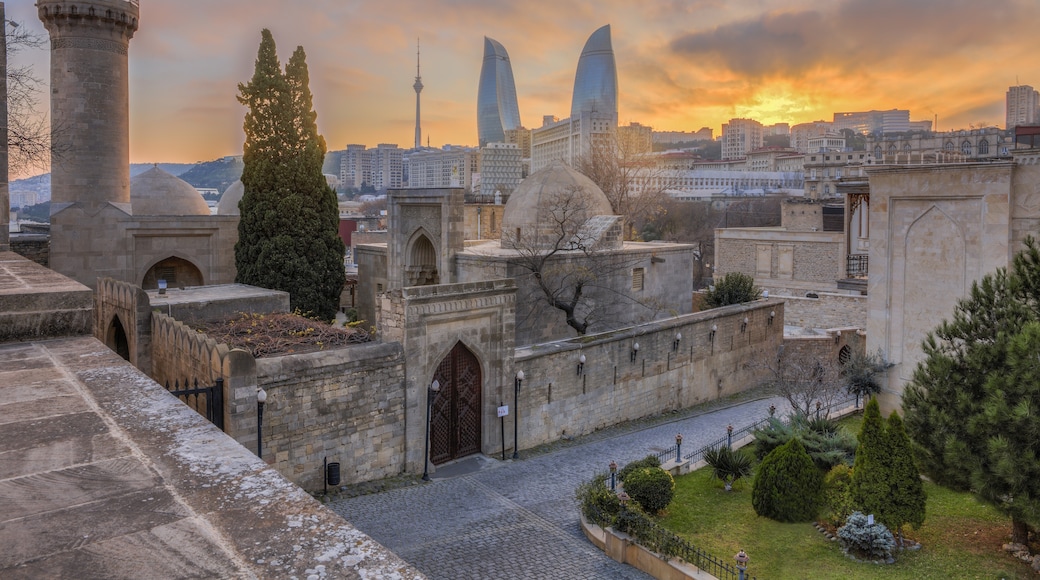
{"type": "Point", "coordinates": [516, 413]}
{"type": "Point", "coordinates": [431, 394]}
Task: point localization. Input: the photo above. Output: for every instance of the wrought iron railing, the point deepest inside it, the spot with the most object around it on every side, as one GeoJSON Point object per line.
{"type": "Point", "coordinates": [856, 265]}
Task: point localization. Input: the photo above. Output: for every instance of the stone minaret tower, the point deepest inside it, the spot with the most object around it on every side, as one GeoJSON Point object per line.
{"type": "Point", "coordinates": [90, 133]}
{"type": "Point", "coordinates": [418, 86]}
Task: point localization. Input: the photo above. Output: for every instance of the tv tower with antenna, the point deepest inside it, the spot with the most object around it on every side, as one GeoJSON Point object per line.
{"type": "Point", "coordinates": [418, 86]}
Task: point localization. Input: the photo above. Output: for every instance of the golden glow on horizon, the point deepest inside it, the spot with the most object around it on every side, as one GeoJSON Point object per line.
{"type": "Point", "coordinates": [681, 66]}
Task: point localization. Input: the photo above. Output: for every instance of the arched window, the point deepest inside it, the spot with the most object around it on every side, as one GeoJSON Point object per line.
{"type": "Point", "coordinates": [906, 148]}
{"type": "Point", "coordinates": [421, 269]}
{"type": "Point", "coordinates": [966, 147]}
{"type": "Point", "coordinates": [177, 272]}
{"type": "Point", "coordinates": [948, 146]}
{"type": "Point", "coordinates": [877, 152]}
{"type": "Point", "coordinates": [983, 147]}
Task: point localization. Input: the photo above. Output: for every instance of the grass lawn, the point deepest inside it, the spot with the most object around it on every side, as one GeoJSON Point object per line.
{"type": "Point", "coordinates": [961, 536]}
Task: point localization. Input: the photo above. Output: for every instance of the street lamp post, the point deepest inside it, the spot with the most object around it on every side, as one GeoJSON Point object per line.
{"type": "Point", "coordinates": [613, 475]}
{"type": "Point", "coordinates": [516, 415]}
{"type": "Point", "coordinates": [431, 394]}
{"type": "Point", "coordinates": [678, 447]}
{"type": "Point", "coordinates": [742, 562]}
{"type": "Point", "coordinates": [261, 398]}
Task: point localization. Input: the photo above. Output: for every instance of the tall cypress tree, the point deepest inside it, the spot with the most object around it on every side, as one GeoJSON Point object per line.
{"type": "Point", "coordinates": [289, 227]}
{"type": "Point", "coordinates": [870, 472]}
{"type": "Point", "coordinates": [906, 503]}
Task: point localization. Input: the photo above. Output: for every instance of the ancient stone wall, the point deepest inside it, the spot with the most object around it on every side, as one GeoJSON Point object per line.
{"type": "Point", "coordinates": [126, 307]}
{"type": "Point", "coordinates": [345, 405]}
{"type": "Point", "coordinates": [35, 247]}
{"type": "Point", "coordinates": [556, 400]}
{"type": "Point", "coordinates": [827, 310]}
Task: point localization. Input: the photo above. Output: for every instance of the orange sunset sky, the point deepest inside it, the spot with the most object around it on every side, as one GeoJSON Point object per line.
{"type": "Point", "coordinates": [682, 64]}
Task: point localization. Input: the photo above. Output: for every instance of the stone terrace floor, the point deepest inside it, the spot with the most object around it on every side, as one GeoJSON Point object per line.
{"type": "Point", "coordinates": [486, 518]}
{"type": "Point", "coordinates": [105, 475]}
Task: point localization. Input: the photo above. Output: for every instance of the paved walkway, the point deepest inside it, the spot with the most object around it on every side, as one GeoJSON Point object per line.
{"type": "Point", "coordinates": [485, 518]}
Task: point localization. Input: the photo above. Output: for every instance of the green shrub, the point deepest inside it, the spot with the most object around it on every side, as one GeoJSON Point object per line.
{"type": "Point", "coordinates": [597, 502]}
{"type": "Point", "coordinates": [823, 440]}
{"type": "Point", "coordinates": [788, 487]}
{"type": "Point", "coordinates": [648, 461]}
{"type": "Point", "coordinates": [651, 487]}
{"type": "Point", "coordinates": [733, 288]}
{"type": "Point", "coordinates": [836, 495]}
{"type": "Point", "coordinates": [866, 540]}
{"type": "Point", "coordinates": [727, 465]}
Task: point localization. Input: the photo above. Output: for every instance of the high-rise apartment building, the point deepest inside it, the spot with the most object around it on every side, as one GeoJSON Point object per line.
{"type": "Point", "coordinates": [500, 169]}
{"type": "Point", "coordinates": [740, 136]}
{"type": "Point", "coordinates": [497, 109]}
{"type": "Point", "coordinates": [803, 132]}
{"type": "Point", "coordinates": [381, 167]}
{"type": "Point", "coordinates": [449, 167]}
{"type": "Point", "coordinates": [595, 81]}
{"type": "Point", "coordinates": [1023, 106]}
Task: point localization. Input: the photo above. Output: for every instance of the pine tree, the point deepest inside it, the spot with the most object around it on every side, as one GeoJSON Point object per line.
{"type": "Point", "coordinates": [906, 502]}
{"type": "Point", "coordinates": [971, 409]}
{"type": "Point", "coordinates": [870, 472]}
{"type": "Point", "coordinates": [289, 226]}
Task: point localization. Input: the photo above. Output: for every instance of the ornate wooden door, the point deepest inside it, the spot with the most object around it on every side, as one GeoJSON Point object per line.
{"type": "Point", "coordinates": [455, 419]}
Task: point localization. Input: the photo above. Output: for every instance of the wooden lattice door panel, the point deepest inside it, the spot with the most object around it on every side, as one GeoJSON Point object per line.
{"type": "Point", "coordinates": [456, 415]}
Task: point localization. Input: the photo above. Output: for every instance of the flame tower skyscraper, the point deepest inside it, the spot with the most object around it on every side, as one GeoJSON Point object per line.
{"type": "Point", "coordinates": [497, 108]}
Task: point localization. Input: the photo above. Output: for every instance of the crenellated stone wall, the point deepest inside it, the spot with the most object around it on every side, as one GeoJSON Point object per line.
{"type": "Point", "coordinates": [122, 307]}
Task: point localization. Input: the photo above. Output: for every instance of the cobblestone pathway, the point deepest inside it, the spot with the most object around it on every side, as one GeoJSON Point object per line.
{"type": "Point", "coordinates": [518, 519]}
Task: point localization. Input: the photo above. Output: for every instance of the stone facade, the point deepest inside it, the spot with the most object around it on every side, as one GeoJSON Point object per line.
{"type": "Point", "coordinates": [779, 258]}
{"type": "Point", "coordinates": [122, 320]}
{"type": "Point", "coordinates": [934, 230]}
{"type": "Point", "coordinates": [345, 405]}
{"type": "Point", "coordinates": [826, 310]}
{"type": "Point", "coordinates": [35, 247]}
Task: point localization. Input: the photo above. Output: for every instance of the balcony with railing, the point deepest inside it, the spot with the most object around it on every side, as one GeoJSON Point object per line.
{"type": "Point", "coordinates": [856, 269]}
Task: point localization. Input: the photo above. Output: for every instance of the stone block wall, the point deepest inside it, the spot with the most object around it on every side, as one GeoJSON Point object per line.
{"type": "Point", "coordinates": [35, 247]}
{"type": "Point", "coordinates": [345, 405]}
{"type": "Point", "coordinates": [556, 401]}
{"type": "Point", "coordinates": [128, 304]}
{"type": "Point", "coordinates": [776, 257]}
{"type": "Point", "coordinates": [828, 310]}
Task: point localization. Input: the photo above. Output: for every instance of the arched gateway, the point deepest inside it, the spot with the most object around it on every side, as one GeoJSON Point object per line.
{"type": "Point", "coordinates": [456, 417]}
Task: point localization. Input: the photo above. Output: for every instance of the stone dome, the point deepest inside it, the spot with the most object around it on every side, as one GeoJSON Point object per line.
{"type": "Point", "coordinates": [156, 192]}
{"type": "Point", "coordinates": [547, 194]}
{"type": "Point", "coordinates": [228, 204]}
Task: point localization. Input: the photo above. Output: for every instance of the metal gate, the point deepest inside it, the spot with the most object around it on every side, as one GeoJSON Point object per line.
{"type": "Point", "coordinates": [208, 401]}
{"type": "Point", "coordinates": [455, 421]}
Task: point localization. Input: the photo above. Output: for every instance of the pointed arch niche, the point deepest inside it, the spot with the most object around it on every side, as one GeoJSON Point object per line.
{"type": "Point", "coordinates": [421, 261]}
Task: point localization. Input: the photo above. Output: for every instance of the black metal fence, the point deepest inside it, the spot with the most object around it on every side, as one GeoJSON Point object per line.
{"type": "Point", "coordinates": [737, 434]}
{"type": "Point", "coordinates": [856, 265]}
{"type": "Point", "coordinates": [208, 401]}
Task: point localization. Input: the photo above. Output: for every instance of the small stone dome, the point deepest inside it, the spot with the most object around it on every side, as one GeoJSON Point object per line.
{"type": "Point", "coordinates": [156, 192]}
{"type": "Point", "coordinates": [552, 191]}
{"type": "Point", "coordinates": [228, 204]}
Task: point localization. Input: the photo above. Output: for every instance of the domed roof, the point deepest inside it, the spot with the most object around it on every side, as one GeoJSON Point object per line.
{"type": "Point", "coordinates": [156, 192]}
{"type": "Point", "coordinates": [555, 192]}
{"type": "Point", "coordinates": [228, 204]}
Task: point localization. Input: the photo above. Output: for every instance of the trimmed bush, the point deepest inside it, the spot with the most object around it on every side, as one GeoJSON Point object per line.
{"type": "Point", "coordinates": [597, 502]}
{"type": "Point", "coordinates": [648, 461]}
{"type": "Point", "coordinates": [865, 540]}
{"type": "Point", "coordinates": [788, 487]}
{"type": "Point", "coordinates": [733, 288]}
{"type": "Point", "coordinates": [651, 487]}
{"type": "Point", "coordinates": [727, 465]}
{"type": "Point", "coordinates": [836, 495]}
{"type": "Point", "coordinates": [871, 490]}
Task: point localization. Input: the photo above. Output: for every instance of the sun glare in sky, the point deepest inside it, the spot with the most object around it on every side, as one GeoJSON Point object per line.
{"type": "Point", "coordinates": [682, 65]}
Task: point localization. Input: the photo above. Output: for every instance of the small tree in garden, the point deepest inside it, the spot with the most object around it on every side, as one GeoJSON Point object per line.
{"type": "Point", "coordinates": [906, 504]}
{"type": "Point", "coordinates": [650, 487]}
{"type": "Point", "coordinates": [788, 486]}
{"type": "Point", "coordinates": [870, 472]}
{"type": "Point", "coordinates": [863, 539]}
{"type": "Point", "coordinates": [727, 465]}
{"type": "Point", "coordinates": [836, 493]}
{"type": "Point", "coordinates": [733, 288]}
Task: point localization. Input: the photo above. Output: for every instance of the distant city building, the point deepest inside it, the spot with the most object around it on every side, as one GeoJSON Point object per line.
{"type": "Point", "coordinates": [440, 168]}
{"type": "Point", "coordinates": [827, 142]}
{"type": "Point", "coordinates": [637, 139]}
{"type": "Point", "coordinates": [921, 126]}
{"type": "Point", "coordinates": [803, 132]}
{"type": "Point", "coordinates": [945, 147]}
{"type": "Point", "coordinates": [380, 168]}
{"type": "Point", "coordinates": [1023, 106]}
{"type": "Point", "coordinates": [500, 169]}
{"type": "Point", "coordinates": [497, 109]}
{"type": "Point", "coordinates": [825, 168]}
{"type": "Point", "coordinates": [24, 198]}
{"type": "Point", "coordinates": [521, 138]}
{"type": "Point", "coordinates": [777, 129]}
{"type": "Point", "coordinates": [595, 81]}
{"type": "Point", "coordinates": [740, 136]}
{"type": "Point", "coordinates": [673, 137]}
{"type": "Point", "coordinates": [874, 122]}
{"type": "Point", "coordinates": [594, 114]}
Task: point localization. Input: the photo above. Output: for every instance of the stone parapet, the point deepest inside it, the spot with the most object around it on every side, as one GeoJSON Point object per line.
{"type": "Point", "coordinates": [37, 303]}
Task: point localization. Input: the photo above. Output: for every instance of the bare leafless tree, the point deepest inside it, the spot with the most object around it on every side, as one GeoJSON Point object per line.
{"type": "Point", "coordinates": [28, 132]}
{"type": "Point", "coordinates": [805, 379]}
{"type": "Point", "coordinates": [575, 264]}
{"type": "Point", "coordinates": [621, 164]}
